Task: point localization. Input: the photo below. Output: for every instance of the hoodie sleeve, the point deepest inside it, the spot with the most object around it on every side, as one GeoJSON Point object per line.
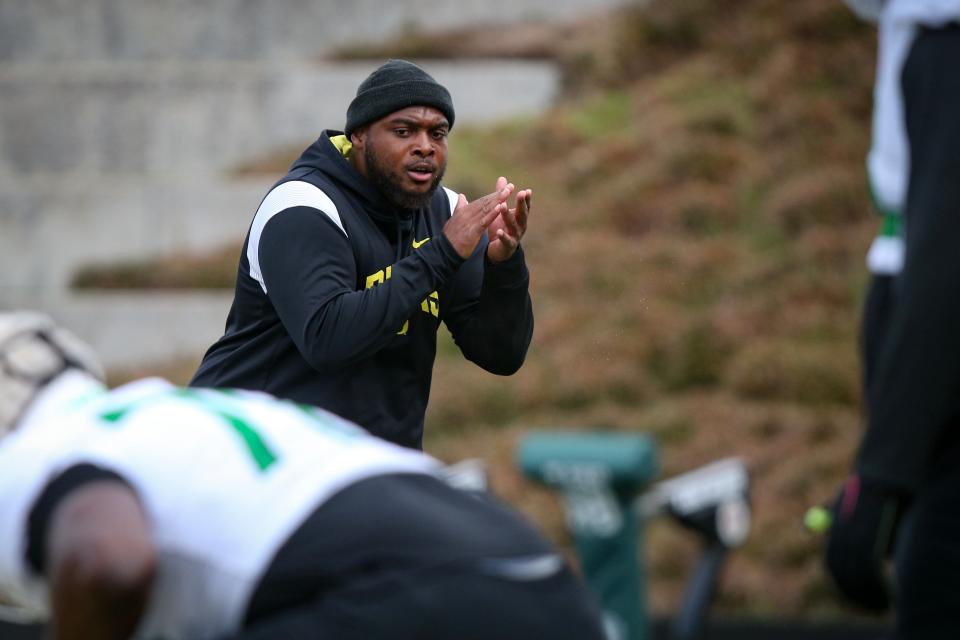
{"type": "Point", "coordinates": [490, 314]}
{"type": "Point", "coordinates": [309, 273]}
{"type": "Point", "coordinates": [914, 396]}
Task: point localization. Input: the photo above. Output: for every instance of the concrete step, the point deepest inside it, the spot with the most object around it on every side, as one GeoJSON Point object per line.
{"type": "Point", "coordinates": [52, 227]}
{"type": "Point", "coordinates": [128, 329]}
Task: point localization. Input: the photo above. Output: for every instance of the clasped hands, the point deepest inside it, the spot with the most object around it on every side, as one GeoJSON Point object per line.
{"type": "Point", "coordinates": [491, 215]}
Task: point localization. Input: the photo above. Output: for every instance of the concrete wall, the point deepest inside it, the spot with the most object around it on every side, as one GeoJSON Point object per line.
{"type": "Point", "coordinates": [121, 123]}
{"type": "Point", "coordinates": [71, 30]}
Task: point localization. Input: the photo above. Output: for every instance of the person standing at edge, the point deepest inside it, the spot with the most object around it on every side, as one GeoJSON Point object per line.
{"type": "Point", "coordinates": [903, 495]}
{"type": "Point", "coordinates": [356, 255]}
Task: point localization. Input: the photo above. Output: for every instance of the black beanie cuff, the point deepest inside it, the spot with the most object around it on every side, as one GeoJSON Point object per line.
{"type": "Point", "coordinates": [377, 102]}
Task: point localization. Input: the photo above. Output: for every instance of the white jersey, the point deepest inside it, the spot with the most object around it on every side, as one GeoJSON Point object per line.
{"type": "Point", "coordinates": [888, 162]}
{"type": "Point", "coordinates": [225, 478]}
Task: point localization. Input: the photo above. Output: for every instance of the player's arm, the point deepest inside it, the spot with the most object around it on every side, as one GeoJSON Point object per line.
{"type": "Point", "coordinates": [99, 559]}
{"type": "Point", "coordinates": [490, 314]}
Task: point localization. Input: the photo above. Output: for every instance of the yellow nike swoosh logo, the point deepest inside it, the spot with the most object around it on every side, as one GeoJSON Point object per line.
{"type": "Point", "coordinates": [418, 243]}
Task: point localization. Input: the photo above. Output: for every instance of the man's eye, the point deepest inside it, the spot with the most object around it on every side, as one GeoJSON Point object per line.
{"type": "Point", "coordinates": [439, 134]}
{"type": "Point", "coordinates": [403, 133]}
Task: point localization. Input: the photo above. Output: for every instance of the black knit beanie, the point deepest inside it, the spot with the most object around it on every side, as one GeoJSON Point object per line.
{"type": "Point", "coordinates": [397, 84]}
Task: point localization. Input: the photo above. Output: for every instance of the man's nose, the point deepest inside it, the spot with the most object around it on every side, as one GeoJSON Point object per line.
{"type": "Point", "coordinates": [423, 144]}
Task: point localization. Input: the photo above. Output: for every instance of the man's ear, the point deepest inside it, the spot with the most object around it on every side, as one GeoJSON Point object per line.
{"type": "Point", "coordinates": [358, 137]}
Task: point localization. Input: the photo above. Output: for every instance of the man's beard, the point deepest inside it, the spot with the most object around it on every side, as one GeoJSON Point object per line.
{"type": "Point", "coordinates": [387, 182]}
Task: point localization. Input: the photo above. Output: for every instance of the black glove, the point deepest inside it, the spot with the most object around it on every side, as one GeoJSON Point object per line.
{"type": "Point", "coordinates": [865, 519]}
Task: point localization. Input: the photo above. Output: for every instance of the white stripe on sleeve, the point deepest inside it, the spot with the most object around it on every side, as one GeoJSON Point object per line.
{"type": "Point", "coordinates": [295, 193]}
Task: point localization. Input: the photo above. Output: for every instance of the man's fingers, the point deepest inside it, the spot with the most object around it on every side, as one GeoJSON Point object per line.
{"type": "Point", "coordinates": [461, 203]}
{"type": "Point", "coordinates": [523, 207]}
{"type": "Point", "coordinates": [524, 201]}
{"type": "Point", "coordinates": [508, 241]}
{"type": "Point", "coordinates": [494, 204]}
{"type": "Point", "coordinates": [498, 196]}
{"type": "Point", "coordinates": [484, 210]}
{"type": "Point", "coordinates": [497, 211]}
{"type": "Point", "coordinates": [510, 221]}
{"type": "Point", "coordinates": [515, 219]}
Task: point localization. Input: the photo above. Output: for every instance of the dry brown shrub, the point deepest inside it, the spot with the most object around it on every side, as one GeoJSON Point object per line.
{"type": "Point", "coordinates": [693, 355]}
{"type": "Point", "coordinates": [589, 376]}
{"type": "Point", "coordinates": [702, 159]}
{"type": "Point", "coordinates": [823, 196]}
{"type": "Point", "coordinates": [700, 209]}
{"type": "Point", "coordinates": [842, 249]}
{"type": "Point", "coordinates": [592, 268]}
{"type": "Point", "coordinates": [461, 393]}
{"type": "Point", "coordinates": [694, 271]}
{"type": "Point", "coordinates": [696, 208]}
{"type": "Point", "coordinates": [777, 370]}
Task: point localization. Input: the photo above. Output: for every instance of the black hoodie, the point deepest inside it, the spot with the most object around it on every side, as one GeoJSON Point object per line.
{"type": "Point", "coordinates": [339, 296]}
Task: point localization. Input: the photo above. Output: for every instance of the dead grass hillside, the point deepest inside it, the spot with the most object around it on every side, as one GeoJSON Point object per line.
{"type": "Point", "coordinates": [697, 255]}
{"type": "Point", "coordinates": [697, 251]}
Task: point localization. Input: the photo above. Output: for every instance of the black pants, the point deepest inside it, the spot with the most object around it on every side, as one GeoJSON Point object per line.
{"type": "Point", "coordinates": [927, 556]}
{"type": "Point", "coordinates": [407, 557]}
{"type": "Point", "coordinates": [876, 314]}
